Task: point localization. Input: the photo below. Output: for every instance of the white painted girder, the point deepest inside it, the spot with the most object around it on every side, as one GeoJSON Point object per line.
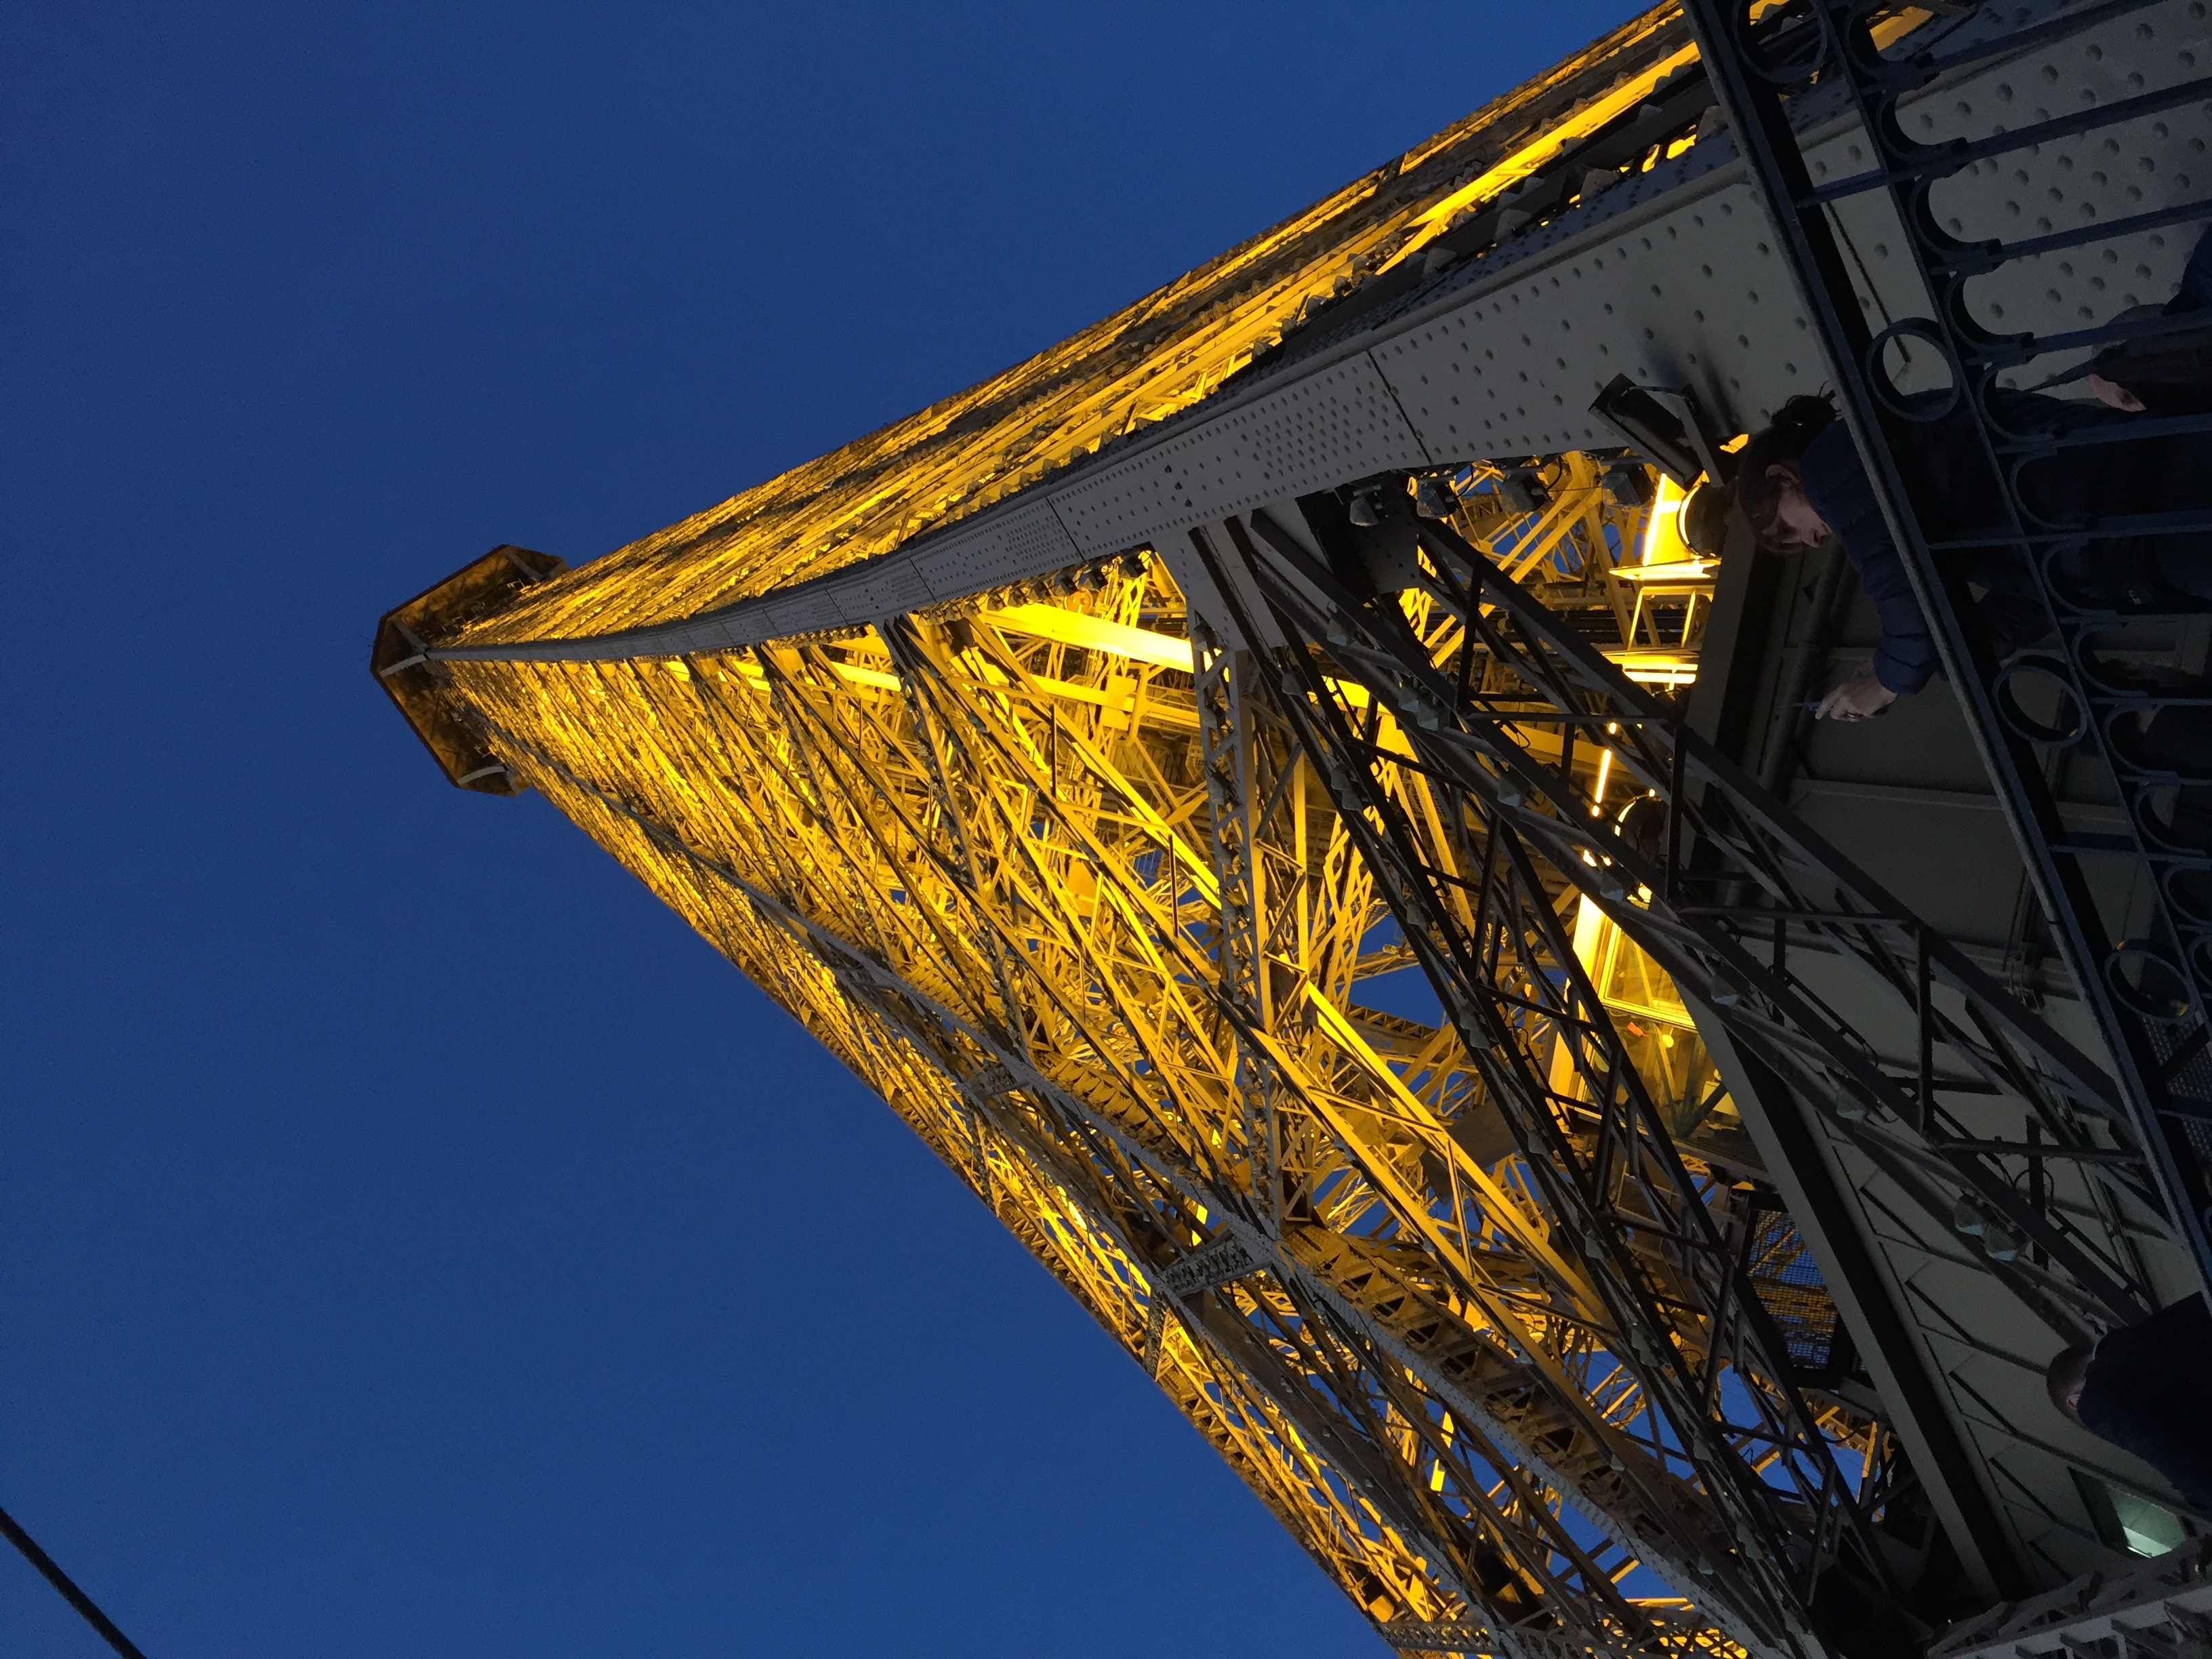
{"type": "Point", "coordinates": [1669, 277]}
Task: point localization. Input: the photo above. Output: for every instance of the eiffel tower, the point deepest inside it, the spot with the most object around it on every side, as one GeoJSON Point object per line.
{"type": "Point", "coordinates": [1262, 790]}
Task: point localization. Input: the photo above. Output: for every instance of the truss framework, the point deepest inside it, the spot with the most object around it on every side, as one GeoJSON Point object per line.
{"type": "Point", "coordinates": [1085, 876]}
{"type": "Point", "coordinates": [2139, 949]}
{"type": "Point", "coordinates": [1095, 926]}
{"type": "Point", "coordinates": [1453, 1298]}
{"type": "Point", "coordinates": [1717, 882]}
{"type": "Point", "coordinates": [1834, 998]}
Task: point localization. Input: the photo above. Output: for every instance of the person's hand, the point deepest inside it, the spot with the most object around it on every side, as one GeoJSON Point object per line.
{"type": "Point", "coordinates": [2113, 395]}
{"type": "Point", "coordinates": [1860, 698]}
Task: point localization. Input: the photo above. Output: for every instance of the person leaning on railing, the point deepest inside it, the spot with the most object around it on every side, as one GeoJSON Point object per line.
{"type": "Point", "coordinates": [1800, 480]}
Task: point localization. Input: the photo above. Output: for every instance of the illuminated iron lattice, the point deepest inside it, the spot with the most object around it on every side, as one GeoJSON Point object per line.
{"type": "Point", "coordinates": [1095, 870]}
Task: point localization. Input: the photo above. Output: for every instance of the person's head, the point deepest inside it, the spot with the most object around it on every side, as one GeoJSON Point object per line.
{"type": "Point", "coordinates": [1766, 478]}
{"type": "Point", "coordinates": [2064, 1378]}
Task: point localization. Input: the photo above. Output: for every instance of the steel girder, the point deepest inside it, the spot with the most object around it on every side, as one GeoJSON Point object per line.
{"type": "Point", "coordinates": [1097, 934]}
{"type": "Point", "coordinates": [2126, 910]}
{"type": "Point", "coordinates": [1479, 1308]}
{"type": "Point", "coordinates": [1721, 885]}
{"type": "Point", "coordinates": [1766, 930]}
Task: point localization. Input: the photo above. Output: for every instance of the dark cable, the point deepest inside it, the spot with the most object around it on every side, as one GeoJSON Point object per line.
{"type": "Point", "coordinates": [62, 1582]}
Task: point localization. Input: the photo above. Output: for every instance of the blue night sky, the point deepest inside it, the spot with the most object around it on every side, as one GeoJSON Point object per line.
{"type": "Point", "coordinates": [413, 1240]}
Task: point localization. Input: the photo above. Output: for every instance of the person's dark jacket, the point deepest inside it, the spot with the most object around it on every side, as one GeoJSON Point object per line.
{"type": "Point", "coordinates": [2169, 374]}
{"type": "Point", "coordinates": [1948, 474]}
{"type": "Point", "coordinates": [2195, 293]}
{"type": "Point", "coordinates": [2150, 1391]}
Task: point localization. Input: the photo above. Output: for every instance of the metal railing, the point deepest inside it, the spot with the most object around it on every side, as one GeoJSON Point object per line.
{"type": "Point", "coordinates": [2131, 912]}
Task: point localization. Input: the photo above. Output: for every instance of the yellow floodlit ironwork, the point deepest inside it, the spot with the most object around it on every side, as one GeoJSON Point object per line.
{"type": "Point", "coordinates": [1047, 622]}
{"type": "Point", "coordinates": [987, 858]}
{"type": "Point", "coordinates": [1663, 1039]}
{"type": "Point", "coordinates": [999, 905]}
{"type": "Point", "coordinates": [1691, 569]}
{"type": "Point", "coordinates": [1531, 158]}
{"type": "Point", "coordinates": [1142, 364]}
{"type": "Point", "coordinates": [1042, 870]}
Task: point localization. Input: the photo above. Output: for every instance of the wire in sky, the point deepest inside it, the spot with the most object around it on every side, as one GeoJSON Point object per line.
{"type": "Point", "coordinates": [62, 1582]}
